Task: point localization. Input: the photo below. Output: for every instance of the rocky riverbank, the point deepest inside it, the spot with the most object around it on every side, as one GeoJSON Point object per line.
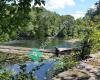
{"type": "Point", "coordinates": [88, 69]}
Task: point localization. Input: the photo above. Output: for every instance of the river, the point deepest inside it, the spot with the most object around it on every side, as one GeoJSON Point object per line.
{"type": "Point", "coordinates": [37, 43]}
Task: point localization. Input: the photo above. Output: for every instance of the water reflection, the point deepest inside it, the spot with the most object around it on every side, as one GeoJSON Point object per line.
{"type": "Point", "coordinates": [37, 43]}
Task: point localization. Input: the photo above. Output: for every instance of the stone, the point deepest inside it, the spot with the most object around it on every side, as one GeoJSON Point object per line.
{"type": "Point", "coordinates": [92, 78]}
{"type": "Point", "coordinates": [67, 78]}
{"type": "Point", "coordinates": [56, 78]}
{"type": "Point", "coordinates": [94, 70]}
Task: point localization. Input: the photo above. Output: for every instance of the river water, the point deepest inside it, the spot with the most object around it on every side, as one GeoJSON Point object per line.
{"type": "Point", "coordinates": [37, 43]}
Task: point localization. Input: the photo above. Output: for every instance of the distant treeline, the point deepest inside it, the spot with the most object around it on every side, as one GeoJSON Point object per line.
{"type": "Point", "coordinates": [18, 22]}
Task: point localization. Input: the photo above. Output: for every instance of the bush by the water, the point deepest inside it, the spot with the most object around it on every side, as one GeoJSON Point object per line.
{"type": "Point", "coordinates": [62, 63]}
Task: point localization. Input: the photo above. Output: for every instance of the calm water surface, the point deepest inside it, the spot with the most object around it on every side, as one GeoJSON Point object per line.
{"type": "Point", "coordinates": [37, 43]}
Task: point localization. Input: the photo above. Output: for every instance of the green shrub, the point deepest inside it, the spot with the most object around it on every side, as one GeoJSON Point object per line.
{"type": "Point", "coordinates": [62, 63]}
{"type": "Point", "coordinates": [6, 75]}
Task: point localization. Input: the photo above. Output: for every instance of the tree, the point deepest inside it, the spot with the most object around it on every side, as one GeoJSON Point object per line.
{"type": "Point", "coordinates": [97, 8]}
{"type": "Point", "coordinates": [90, 13]}
{"type": "Point", "coordinates": [14, 15]}
{"type": "Point", "coordinates": [91, 39]}
{"type": "Point", "coordinates": [90, 42]}
{"type": "Point", "coordinates": [67, 21]}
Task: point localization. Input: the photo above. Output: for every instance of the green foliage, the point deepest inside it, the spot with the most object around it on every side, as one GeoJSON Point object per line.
{"type": "Point", "coordinates": [89, 30]}
{"type": "Point", "coordinates": [94, 12]}
{"type": "Point", "coordinates": [6, 75]}
{"type": "Point", "coordinates": [97, 8]}
{"type": "Point", "coordinates": [63, 63]}
{"type": "Point", "coordinates": [57, 68]}
{"type": "Point", "coordinates": [69, 61]}
{"type": "Point", "coordinates": [9, 75]}
{"type": "Point", "coordinates": [90, 43]}
{"type": "Point", "coordinates": [68, 22]}
{"type": "Point", "coordinates": [79, 27]}
{"type": "Point", "coordinates": [18, 19]}
{"type": "Point", "coordinates": [14, 16]}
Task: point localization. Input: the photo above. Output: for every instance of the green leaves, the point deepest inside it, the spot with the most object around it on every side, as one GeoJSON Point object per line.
{"type": "Point", "coordinates": [13, 16]}
{"type": "Point", "coordinates": [90, 43]}
{"type": "Point", "coordinates": [62, 63]}
{"type": "Point", "coordinates": [39, 2]}
{"type": "Point", "coordinates": [6, 75]}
